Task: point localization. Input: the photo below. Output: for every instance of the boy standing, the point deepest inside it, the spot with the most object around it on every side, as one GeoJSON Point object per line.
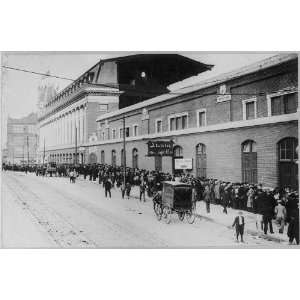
{"type": "Point", "coordinates": [239, 223]}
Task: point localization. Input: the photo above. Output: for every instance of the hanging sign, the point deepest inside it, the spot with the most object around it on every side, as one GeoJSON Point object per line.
{"type": "Point", "coordinates": [160, 148]}
{"type": "Point", "coordinates": [223, 94]}
{"type": "Point", "coordinates": [183, 163]}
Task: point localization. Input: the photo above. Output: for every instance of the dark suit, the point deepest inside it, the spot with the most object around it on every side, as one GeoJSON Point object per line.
{"type": "Point", "coordinates": [239, 226]}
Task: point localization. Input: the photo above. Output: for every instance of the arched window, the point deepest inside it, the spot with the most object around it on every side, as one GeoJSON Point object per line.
{"type": "Point", "coordinates": [177, 151]}
{"type": "Point", "coordinates": [177, 154]}
{"type": "Point", "coordinates": [201, 160]}
{"type": "Point", "coordinates": [249, 161]}
{"type": "Point", "coordinates": [135, 157]}
{"type": "Point", "coordinates": [287, 162]}
{"type": "Point", "coordinates": [102, 157]}
{"type": "Point", "coordinates": [248, 146]}
{"type": "Point", "coordinates": [92, 158]}
{"type": "Point", "coordinates": [113, 158]}
{"type": "Point", "coordinates": [287, 149]}
{"type": "Point", "coordinates": [200, 149]}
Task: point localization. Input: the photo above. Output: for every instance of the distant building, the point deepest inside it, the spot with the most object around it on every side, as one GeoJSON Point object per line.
{"type": "Point", "coordinates": [22, 140]}
{"type": "Point", "coordinates": [4, 156]}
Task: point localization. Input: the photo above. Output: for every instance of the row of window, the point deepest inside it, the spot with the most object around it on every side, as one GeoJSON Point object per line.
{"type": "Point", "coordinates": [284, 103]}
{"type": "Point", "coordinates": [287, 151]}
{"type": "Point", "coordinates": [114, 157]}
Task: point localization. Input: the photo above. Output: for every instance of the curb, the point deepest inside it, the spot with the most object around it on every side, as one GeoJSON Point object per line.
{"type": "Point", "coordinates": [249, 231]}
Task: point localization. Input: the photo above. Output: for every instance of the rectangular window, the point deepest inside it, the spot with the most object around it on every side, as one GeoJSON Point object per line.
{"type": "Point", "coordinates": [113, 133]}
{"type": "Point", "coordinates": [290, 103]}
{"type": "Point", "coordinates": [285, 103]}
{"type": "Point", "coordinates": [178, 122]}
{"type": "Point", "coordinates": [121, 133]}
{"type": "Point", "coordinates": [276, 106]}
{"type": "Point", "coordinates": [135, 130]}
{"type": "Point", "coordinates": [103, 135]}
{"type": "Point", "coordinates": [184, 122]}
{"type": "Point", "coordinates": [158, 126]}
{"type": "Point", "coordinates": [127, 131]}
{"type": "Point", "coordinates": [172, 124]}
{"type": "Point", "coordinates": [249, 109]}
{"type": "Point", "coordinates": [201, 117]}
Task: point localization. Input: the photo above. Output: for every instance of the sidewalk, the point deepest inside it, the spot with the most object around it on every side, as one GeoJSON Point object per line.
{"type": "Point", "coordinates": [217, 216]}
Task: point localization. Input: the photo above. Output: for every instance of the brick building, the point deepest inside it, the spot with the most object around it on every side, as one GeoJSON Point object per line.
{"type": "Point", "coordinates": [22, 140]}
{"type": "Point", "coordinates": [241, 127]}
{"type": "Point", "coordinates": [67, 120]}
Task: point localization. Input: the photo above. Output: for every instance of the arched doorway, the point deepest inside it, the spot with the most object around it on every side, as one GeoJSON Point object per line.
{"type": "Point", "coordinates": [135, 157]}
{"type": "Point", "coordinates": [113, 158]}
{"type": "Point", "coordinates": [287, 162]}
{"type": "Point", "coordinates": [201, 163]}
{"type": "Point", "coordinates": [249, 162]}
{"type": "Point", "coordinates": [92, 158]}
{"type": "Point", "coordinates": [102, 157]}
{"type": "Point", "coordinates": [177, 153]}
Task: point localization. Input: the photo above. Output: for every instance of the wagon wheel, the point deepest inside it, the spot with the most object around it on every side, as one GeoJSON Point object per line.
{"type": "Point", "coordinates": [158, 211]}
{"type": "Point", "coordinates": [167, 215]}
{"type": "Point", "coordinates": [181, 215]}
{"type": "Point", "coordinates": [190, 216]}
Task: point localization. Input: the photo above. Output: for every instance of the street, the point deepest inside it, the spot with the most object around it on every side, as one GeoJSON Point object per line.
{"type": "Point", "coordinates": [49, 212]}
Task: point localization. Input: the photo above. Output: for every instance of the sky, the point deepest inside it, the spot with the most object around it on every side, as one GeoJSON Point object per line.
{"type": "Point", "coordinates": [20, 90]}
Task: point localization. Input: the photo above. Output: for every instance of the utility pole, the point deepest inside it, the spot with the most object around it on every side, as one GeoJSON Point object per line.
{"type": "Point", "coordinates": [27, 151]}
{"type": "Point", "coordinates": [44, 153]}
{"type": "Point", "coordinates": [23, 162]}
{"type": "Point", "coordinates": [124, 151]}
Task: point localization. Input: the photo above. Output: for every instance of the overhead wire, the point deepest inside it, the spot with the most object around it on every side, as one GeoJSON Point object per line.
{"type": "Point", "coordinates": [131, 89]}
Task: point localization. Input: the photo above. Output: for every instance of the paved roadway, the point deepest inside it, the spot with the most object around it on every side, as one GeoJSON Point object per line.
{"type": "Point", "coordinates": [48, 212]}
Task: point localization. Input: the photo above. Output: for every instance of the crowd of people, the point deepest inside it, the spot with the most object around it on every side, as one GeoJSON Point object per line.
{"type": "Point", "coordinates": [280, 204]}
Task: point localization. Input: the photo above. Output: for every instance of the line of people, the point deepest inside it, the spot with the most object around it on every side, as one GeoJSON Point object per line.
{"type": "Point", "coordinates": [276, 204]}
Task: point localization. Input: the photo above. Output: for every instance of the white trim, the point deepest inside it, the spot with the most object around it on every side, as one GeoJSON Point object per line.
{"type": "Point", "coordinates": [199, 111]}
{"type": "Point", "coordinates": [244, 102]}
{"type": "Point", "coordinates": [176, 116]}
{"type": "Point", "coordinates": [290, 90]}
{"type": "Point", "coordinates": [137, 130]}
{"type": "Point", "coordinates": [157, 120]}
{"type": "Point", "coordinates": [210, 128]}
{"type": "Point", "coordinates": [120, 128]}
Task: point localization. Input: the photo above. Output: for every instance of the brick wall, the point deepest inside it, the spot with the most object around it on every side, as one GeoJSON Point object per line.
{"type": "Point", "coordinates": [223, 150]}
{"type": "Point", "coordinates": [216, 113]}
